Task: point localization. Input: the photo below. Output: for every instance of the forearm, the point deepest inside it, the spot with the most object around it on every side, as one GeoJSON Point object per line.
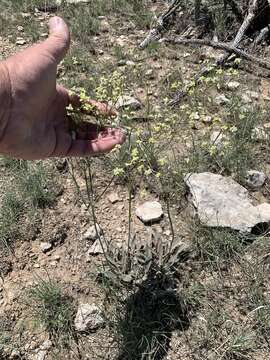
{"type": "Point", "coordinates": [5, 98]}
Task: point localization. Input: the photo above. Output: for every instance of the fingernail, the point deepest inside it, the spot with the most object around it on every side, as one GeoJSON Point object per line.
{"type": "Point", "coordinates": [55, 23]}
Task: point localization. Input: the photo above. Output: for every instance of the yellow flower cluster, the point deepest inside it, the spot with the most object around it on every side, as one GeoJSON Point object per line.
{"type": "Point", "coordinates": [110, 88]}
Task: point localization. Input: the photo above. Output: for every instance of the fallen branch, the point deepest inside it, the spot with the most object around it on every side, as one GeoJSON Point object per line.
{"type": "Point", "coordinates": [179, 95]}
{"type": "Point", "coordinates": [231, 49]}
{"type": "Point", "coordinates": [162, 25]}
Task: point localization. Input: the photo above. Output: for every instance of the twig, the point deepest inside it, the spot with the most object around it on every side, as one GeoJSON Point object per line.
{"type": "Point", "coordinates": [126, 258]}
{"type": "Point", "coordinates": [223, 46]}
{"type": "Point", "coordinates": [72, 173]}
{"type": "Point", "coordinates": [162, 25]}
{"type": "Point", "coordinates": [109, 261]}
{"type": "Point", "coordinates": [248, 20]}
{"type": "Point", "coordinates": [172, 228]}
{"type": "Point", "coordinates": [104, 191]}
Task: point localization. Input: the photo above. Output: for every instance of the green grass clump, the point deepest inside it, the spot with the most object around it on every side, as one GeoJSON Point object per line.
{"type": "Point", "coordinates": [32, 187]}
{"type": "Point", "coordinates": [218, 247]}
{"type": "Point", "coordinates": [83, 18]}
{"type": "Point", "coordinates": [51, 310]}
{"type": "Point", "coordinates": [35, 186]}
{"type": "Point", "coordinates": [10, 213]}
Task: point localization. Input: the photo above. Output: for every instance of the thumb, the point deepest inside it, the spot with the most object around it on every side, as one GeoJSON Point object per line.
{"type": "Point", "coordinates": [58, 42]}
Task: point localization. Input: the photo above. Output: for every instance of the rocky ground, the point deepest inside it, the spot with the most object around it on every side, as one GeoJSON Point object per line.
{"type": "Point", "coordinates": [156, 251]}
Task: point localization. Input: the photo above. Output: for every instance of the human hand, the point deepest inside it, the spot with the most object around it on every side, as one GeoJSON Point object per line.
{"type": "Point", "coordinates": [33, 116]}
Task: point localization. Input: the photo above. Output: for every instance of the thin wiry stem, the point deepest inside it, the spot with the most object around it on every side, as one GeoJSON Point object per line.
{"type": "Point", "coordinates": [171, 227]}
{"type": "Point", "coordinates": [72, 173]}
{"type": "Point", "coordinates": [106, 188]}
{"type": "Point", "coordinates": [129, 226]}
{"type": "Point", "coordinates": [92, 206]}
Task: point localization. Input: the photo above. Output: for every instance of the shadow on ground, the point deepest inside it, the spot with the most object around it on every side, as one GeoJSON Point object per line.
{"type": "Point", "coordinates": [149, 317]}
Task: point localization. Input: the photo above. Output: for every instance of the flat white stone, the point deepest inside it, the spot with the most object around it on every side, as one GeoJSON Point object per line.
{"type": "Point", "coordinates": [222, 202]}
{"type": "Point", "coordinates": [150, 211]}
{"type": "Point", "coordinates": [20, 42]}
{"type": "Point", "coordinates": [128, 102]}
{"type": "Point", "coordinates": [45, 246]}
{"type": "Point", "coordinates": [113, 197]}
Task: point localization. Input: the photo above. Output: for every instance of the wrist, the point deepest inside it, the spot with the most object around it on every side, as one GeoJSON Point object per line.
{"type": "Point", "coordinates": [5, 98]}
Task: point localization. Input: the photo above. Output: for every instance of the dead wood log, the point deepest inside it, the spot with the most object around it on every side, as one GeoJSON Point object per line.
{"type": "Point", "coordinates": [231, 49]}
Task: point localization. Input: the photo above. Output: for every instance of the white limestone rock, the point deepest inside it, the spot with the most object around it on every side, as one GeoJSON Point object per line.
{"type": "Point", "coordinates": [96, 248]}
{"type": "Point", "coordinates": [113, 197]}
{"type": "Point", "coordinates": [45, 247]}
{"type": "Point", "coordinates": [128, 102]}
{"type": "Point", "coordinates": [222, 202]}
{"type": "Point", "coordinates": [150, 211]}
{"type": "Point", "coordinates": [88, 318]}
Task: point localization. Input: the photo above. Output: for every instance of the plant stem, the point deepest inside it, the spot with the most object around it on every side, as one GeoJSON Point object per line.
{"type": "Point", "coordinates": [127, 257]}
{"type": "Point", "coordinates": [171, 225]}
{"type": "Point", "coordinates": [92, 206]}
{"type": "Point", "coordinates": [89, 192]}
{"type": "Point", "coordinates": [106, 188]}
{"type": "Point", "coordinates": [76, 184]}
